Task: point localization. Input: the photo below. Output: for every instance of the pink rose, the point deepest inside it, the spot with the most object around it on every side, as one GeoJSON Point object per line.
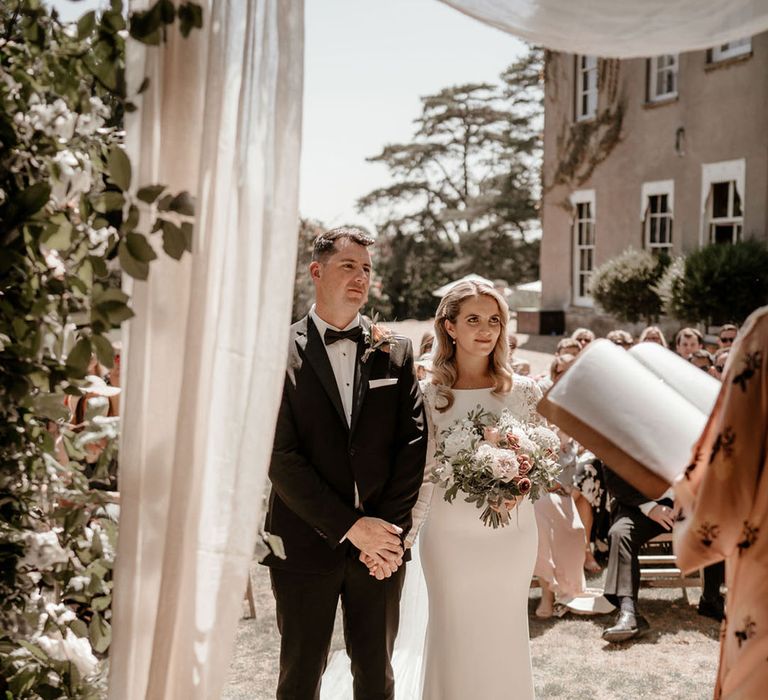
{"type": "Point", "coordinates": [491, 435]}
{"type": "Point", "coordinates": [514, 443]}
{"type": "Point", "coordinates": [379, 334]}
{"type": "Point", "coordinates": [524, 464]}
{"type": "Point", "coordinates": [524, 485]}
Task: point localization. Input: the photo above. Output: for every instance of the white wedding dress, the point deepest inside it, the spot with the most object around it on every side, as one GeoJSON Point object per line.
{"type": "Point", "coordinates": [465, 634]}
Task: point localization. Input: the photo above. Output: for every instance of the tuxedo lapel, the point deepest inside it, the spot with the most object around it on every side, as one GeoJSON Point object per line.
{"type": "Point", "coordinates": [311, 344]}
{"type": "Point", "coordinates": [362, 375]}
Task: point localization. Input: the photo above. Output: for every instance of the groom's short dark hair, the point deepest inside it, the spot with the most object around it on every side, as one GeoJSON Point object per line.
{"type": "Point", "coordinates": [325, 243]}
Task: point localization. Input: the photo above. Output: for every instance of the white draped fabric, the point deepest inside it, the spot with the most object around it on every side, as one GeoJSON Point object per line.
{"type": "Point", "coordinates": [204, 356]}
{"type": "Point", "coordinates": [622, 28]}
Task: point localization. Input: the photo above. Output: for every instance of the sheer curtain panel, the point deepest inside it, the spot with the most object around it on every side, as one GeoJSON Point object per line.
{"type": "Point", "coordinates": [204, 356]}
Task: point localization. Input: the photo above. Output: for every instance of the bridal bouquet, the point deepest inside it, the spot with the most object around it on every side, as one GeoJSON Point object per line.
{"type": "Point", "coordinates": [495, 459]}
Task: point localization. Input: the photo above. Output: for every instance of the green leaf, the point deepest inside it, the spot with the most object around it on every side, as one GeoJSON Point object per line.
{"type": "Point", "coordinates": [190, 16]}
{"type": "Point", "coordinates": [79, 358]}
{"type": "Point", "coordinates": [135, 268]}
{"type": "Point", "coordinates": [144, 85]}
{"type": "Point", "coordinates": [187, 229]}
{"type": "Point", "coordinates": [79, 627]}
{"type": "Point", "coordinates": [100, 633]}
{"type": "Point", "coordinates": [174, 242]}
{"type": "Point", "coordinates": [50, 406]}
{"type": "Point", "coordinates": [111, 294]}
{"type": "Point", "coordinates": [183, 203]}
{"type": "Point", "coordinates": [167, 11]}
{"type": "Point", "coordinates": [104, 350]}
{"type": "Point", "coordinates": [58, 235]}
{"type": "Point", "coordinates": [33, 199]}
{"type": "Point", "coordinates": [86, 24]}
{"type": "Point", "coordinates": [101, 602]}
{"type": "Point", "coordinates": [150, 193]}
{"type": "Point", "coordinates": [85, 272]}
{"type": "Point", "coordinates": [109, 201]}
{"type": "Point", "coordinates": [139, 247]}
{"type": "Point", "coordinates": [119, 167]}
{"type": "Point", "coordinates": [99, 266]}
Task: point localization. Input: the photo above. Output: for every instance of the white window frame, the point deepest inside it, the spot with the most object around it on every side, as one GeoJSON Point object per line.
{"type": "Point", "coordinates": [577, 198]}
{"type": "Point", "coordinates": [656, 189]}
{"type": "Point", "coordinates": [732, 49]}
{"type": "Point", "coordinates": [659, 68]}
{"type": "Point", "coordinates": [586, 72]}
{"type": "Point", "coordinates": [711, 173]}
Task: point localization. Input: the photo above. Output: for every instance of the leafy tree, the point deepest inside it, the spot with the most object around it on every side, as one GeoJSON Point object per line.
{"type": "Point", "coordinates": [468, 180]}
{"type": "Point", "coordinates": [69, 221]}
{"type": "Point", "coordinates": [303, 289]}
{"type": "Point", "coordinates": [625, 285]}
{"type": "Point", "coordinates": [721, 283]}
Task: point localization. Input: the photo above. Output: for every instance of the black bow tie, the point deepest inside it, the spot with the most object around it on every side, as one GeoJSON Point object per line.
{"type": "Point", "coordinates": [353, 334]}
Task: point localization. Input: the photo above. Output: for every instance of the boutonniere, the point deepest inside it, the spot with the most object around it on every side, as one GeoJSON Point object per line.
{"type": "Point", "coordinates": [377, 337]}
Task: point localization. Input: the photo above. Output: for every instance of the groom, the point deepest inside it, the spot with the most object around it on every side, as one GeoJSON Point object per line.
{"type": "Point", "coordinates": [347, 464]}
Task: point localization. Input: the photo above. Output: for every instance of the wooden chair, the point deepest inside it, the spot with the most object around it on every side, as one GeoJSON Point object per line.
{"type": "Point", "coordinates": [658, 566]}
{"type": "Point", "coordinates": [250, 598]}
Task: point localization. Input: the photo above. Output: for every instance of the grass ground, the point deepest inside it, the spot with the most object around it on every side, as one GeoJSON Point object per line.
{"type": "Point", "coordinates": [676, 661]}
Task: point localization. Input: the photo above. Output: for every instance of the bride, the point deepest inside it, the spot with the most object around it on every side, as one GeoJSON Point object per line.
{"type": "Point", "coordinates": [477, 577]}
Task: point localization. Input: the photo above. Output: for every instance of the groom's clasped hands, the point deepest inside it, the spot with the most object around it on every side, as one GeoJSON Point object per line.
{"type": "Point", "coordinates": [381, 549]}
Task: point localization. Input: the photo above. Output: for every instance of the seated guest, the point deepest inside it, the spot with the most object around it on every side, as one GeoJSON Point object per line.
{"type": "Point", "coordinates": [560, 555]}
{"type": "Point", "coordinates": [568, 346]}
{"type": "Point", "coordinates": [589, 497]}
{"type": "Point", "coordinates": [719, 360]}
{"type": "Point", "coordinates": [522, 367]}
{"type": "Point", "coordinates": [556, 369]}
{"type": "Point", "coordinates": [583, 336]}
{"type": "Point", "coordinates": [702, 359]}
{"type": "Point", "coordinates": [727, 335]}
{"type": "Point", "coordinates": [621, 338]}
{"type": "Point", "coordinates": [427, 341]}
{"type": "Point", "coordinates": [652, 334]}
{"type": "Point", "coordinates": [688, 341]}
{"type": "Point", "coordinates": [635, 521]}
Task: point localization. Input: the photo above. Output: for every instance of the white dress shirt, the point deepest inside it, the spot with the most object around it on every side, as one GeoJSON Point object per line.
{"type": "Point", "coordinates": [343, 358]}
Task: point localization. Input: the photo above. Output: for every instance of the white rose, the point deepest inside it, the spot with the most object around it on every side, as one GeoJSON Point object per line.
{"type": "Point", "coordinates": [545, 438]}
{"type": "Point", "coordinates": [72, 648]}
{"type": "Point", "coordinates": [455, 442]}
{"type": "Point", "coordinates": [99, 239]}
{"type": "Point", "coordinates": [43, 551]}
{"type": "Point", "coordinates": [71, 176]}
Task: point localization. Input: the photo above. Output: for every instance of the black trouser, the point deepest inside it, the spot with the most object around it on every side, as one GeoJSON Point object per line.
{"type": "Point", "coordinates": [713, 577]}
{"type": "Point", "coordinates": [306, 609]}
{"type": "Point", "coordinates": [630, 530]}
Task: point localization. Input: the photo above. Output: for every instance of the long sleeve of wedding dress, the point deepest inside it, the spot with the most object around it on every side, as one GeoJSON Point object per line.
{"type": "Point", "coordinates": [421, 509]}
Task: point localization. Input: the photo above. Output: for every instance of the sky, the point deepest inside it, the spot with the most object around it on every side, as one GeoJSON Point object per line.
{"type": "Point", "coordinates": [367, 63]}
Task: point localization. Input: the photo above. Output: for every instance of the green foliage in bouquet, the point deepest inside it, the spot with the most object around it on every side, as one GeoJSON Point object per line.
{"type": "Point", "coordinates": [625, 285]}
{"type": "Point", "coordinates": [69, 223]}
{"type": "Point", "coordinates": [720, 283]}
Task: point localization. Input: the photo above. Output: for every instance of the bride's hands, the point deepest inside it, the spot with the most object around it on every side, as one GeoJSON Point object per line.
{"type": "Point", "coordinates": [378, 569]}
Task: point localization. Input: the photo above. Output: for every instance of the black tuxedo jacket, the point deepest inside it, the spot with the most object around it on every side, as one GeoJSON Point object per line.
{"type": "Point", "coordinates": [317, 457]}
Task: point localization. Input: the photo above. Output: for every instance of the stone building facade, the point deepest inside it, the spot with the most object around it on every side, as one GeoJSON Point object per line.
{"type": "Point", "coordinates": [665, 153]}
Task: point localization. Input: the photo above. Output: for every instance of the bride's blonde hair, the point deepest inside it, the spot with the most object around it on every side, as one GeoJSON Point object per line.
{"type": "Point", "coordinates": [444, 370]}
